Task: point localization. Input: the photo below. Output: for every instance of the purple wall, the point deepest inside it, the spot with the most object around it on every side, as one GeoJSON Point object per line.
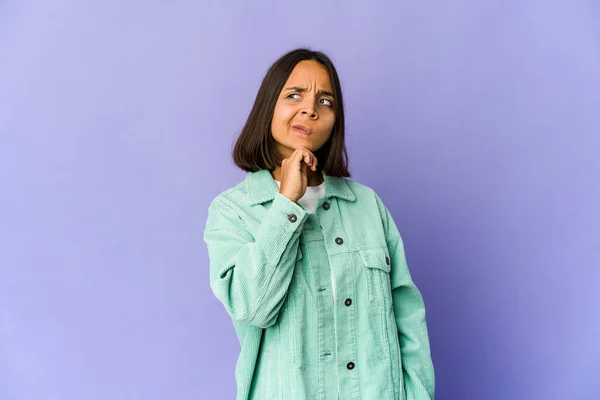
{"type": "Point", "coordinates": [477, 122]}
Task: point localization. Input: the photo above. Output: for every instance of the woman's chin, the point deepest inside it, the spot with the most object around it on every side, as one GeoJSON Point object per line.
{"type": "Point", "coordinates": [304, 142]}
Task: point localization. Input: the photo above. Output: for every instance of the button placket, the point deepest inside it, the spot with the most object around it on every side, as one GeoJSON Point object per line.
{"type": "Point", "coordinates": [334, 233]}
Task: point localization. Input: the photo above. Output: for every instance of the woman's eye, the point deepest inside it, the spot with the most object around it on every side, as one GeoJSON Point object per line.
{"type": "Point", "coordinates": [294, 94]}
{"type": "Point", "coordinates": [327, 102]}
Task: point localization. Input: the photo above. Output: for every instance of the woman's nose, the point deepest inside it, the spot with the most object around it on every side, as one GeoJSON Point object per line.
{"type": "Point", "coordinates": [310, 111]}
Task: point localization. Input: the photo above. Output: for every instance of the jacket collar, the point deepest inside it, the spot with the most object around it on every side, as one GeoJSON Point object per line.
{"type": "Point", "coordinates": [262, 187]}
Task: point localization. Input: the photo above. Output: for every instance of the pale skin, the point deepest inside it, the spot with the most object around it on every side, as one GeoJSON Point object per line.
{"type": "Point", "coordinates": [302, 122]}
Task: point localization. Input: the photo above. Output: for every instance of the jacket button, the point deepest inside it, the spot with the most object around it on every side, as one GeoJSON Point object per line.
{"type": "Point", "coordinates": [348, 302]}
{"type": "Point", "coordinates": [350, 365]}
{"type": "Point", "coordinates": [292, 217]}
{"type": "Point", "coordinates": [339, 240]}
{"type": "Point", "coordinates": [326, 205]}
{"type": "Point", "coordinates": [387, 261]}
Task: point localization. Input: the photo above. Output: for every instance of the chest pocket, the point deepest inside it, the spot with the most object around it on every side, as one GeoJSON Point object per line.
{"type": "Point", "coordinates": [377, 265]}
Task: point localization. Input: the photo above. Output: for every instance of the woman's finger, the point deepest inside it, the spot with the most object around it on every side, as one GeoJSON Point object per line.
{"type": "Point", "coordinates": [296, 156]}
{"type": "Point", "coordinates": [308, 158]}
{"type": "Point", "coordinates": [302, 153]}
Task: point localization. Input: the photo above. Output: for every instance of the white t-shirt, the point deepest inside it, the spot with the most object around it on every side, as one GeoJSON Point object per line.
{"type": "Point", "coordinates": [311, 196]}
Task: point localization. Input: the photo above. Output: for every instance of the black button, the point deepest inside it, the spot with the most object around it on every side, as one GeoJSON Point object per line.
{"type": "Point", "coordinates": [350, 365]}
{"type": "Point", "coordinates": [348, 302]}
{"type": "Point", "coordinates": [387, 261]}
{"type": "Point", "coordinates": [292, 217]}
{"type": "Point", "coordinates": [339, 240]}
{"type": "Point", "coordinates": [326, 205]}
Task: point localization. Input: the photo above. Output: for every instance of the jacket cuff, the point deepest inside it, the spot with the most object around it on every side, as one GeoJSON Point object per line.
{"type": "Point", "coordinates": [285, 216]}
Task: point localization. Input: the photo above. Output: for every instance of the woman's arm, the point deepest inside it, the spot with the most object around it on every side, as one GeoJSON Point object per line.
{"type": "Point", "coordinates": [250, 274]}
{"type": "Point", "coordinates": [409, 311]}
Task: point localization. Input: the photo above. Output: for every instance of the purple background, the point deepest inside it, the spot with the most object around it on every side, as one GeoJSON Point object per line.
{"type": "Point", "coordinates": [477, 123]}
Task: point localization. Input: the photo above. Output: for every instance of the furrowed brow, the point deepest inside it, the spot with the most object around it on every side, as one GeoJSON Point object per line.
{"type": "Point", "coordinates": [303, 89]}
{"type": "Point", "coordinates": [296, 89]}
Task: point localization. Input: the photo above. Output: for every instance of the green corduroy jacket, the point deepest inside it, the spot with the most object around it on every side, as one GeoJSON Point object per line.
{"type": "Point", "coordinates": [323, 303]}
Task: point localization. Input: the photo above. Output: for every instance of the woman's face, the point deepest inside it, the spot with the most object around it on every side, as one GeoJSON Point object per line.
{"type": "Point", "coordinates": [304, 113]}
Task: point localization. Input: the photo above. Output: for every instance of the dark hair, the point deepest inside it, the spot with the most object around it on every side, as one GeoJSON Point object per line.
{"type": "Point", "coordinates": [255, 147]}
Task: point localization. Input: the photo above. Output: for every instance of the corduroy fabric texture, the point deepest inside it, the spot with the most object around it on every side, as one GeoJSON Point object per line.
{"type": "Point", "coordinates": [271, 265]}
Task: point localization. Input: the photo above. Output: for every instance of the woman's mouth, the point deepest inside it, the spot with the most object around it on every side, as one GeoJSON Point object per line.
{"type": "Point", "coordinates": [301, 130]}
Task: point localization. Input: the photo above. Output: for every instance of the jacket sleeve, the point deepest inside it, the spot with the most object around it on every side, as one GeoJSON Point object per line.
{"type": "Point", "coordinates": [250, 274]}
{"type": "Point", "coordinates": [409, 311]}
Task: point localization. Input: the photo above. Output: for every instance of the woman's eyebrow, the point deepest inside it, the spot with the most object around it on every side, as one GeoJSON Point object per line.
{"type": "Point", "coordinates": [303, 89]}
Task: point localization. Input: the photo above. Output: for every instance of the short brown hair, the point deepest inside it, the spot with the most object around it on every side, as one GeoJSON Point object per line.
{"type": "Point", "coordinates": [255, 147]}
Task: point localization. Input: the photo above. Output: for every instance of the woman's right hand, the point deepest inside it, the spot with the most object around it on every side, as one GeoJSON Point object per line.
{"type": "Point", "coordinates": [293, 173]}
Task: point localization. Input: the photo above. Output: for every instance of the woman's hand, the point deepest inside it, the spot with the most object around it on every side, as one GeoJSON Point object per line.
{"type": "Point", "coordinates": [293, 173]}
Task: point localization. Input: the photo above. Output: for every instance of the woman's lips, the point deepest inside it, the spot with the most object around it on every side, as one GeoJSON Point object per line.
{"type": "Point", "coordinates": [300, 130]}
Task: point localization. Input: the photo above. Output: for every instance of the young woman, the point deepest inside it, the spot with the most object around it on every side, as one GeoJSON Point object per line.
{"type": "Point", "coordinates": [310, 265]}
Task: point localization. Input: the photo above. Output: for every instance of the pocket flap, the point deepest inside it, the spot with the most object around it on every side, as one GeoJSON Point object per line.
{"type": "Point", "coordinates": [376, 257]}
